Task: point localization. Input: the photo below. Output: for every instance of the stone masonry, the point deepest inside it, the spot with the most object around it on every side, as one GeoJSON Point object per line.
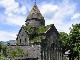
{"type": "Point", "coordinates": [47, 49]}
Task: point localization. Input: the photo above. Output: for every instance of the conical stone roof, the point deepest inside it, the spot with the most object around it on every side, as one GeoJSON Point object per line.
{"type": "Point", "coordinates": [35, 13]}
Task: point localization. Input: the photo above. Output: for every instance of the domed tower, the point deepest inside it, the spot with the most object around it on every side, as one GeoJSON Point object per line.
{"type": "Point", "coordinates": [35, 18]}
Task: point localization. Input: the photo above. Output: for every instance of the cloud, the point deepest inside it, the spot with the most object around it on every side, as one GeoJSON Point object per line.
{"type": "Point", "coordinates": [59, 15]}
{"type": "Point", "coordinates": [13, 15]}
{"type": "Point", "coordinates": [48, 10]}
{"type": "Point", "coordinates": [12, 7]}
{"type": "Point", "coordinates": [15, 20]}
{"type": "Point", "coordinates": [11, 20]}
{"type": "Point", "coordinates": [23, 10]}
{"type": "Point", "coordinates": [45, 8]}
{"type": "Point", "coordinates": [5, 36]}
{"type": "Point", "coordinates": [75, 16]}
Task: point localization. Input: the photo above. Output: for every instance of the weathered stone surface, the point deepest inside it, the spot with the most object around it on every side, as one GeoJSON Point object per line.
{"type": "Point", "coordinates": [22, 37]}
{"type": "Point", "coordinates": [35, 18]}
{"type": "Point", "coordinates": [35, 13]}
{"type": "Point", "coordinates": [50, 47]}
{"type": "Point", "coordinates": [33, 50]}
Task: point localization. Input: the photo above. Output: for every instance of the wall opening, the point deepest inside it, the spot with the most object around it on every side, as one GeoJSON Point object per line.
{"type": "Point", "coordinates": [20, 40]}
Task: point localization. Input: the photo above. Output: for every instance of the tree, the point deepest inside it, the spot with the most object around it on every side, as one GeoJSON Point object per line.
{"type": "Point", "coordinates": [71, 42]}
{"type": "Point", "coordinates": [4, 50]}
{"type": "Point", "coordinates": [74, 42]}
{"type": "Point", "coordinates": [64, 37]}
{"type": "Point", "coordinates": [15, 43]}
{"type": "Point", "coordinates": [8, 44]}
{"type": "Point", "coordinates": [0, 46]}
{"type": "Point", "coordinates": [15, 53]}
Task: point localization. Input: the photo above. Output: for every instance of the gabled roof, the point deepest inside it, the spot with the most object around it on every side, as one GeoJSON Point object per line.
{"type": "Point", "coordinates": [35, 13]}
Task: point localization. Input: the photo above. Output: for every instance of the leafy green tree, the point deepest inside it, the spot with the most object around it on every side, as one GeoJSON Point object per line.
{"type": "Point", "coordinates": [71, 42]}
{"type": "Point", "coordinates": [64, 37]}
{"type": "Point", "coordinates": [8, 44]}
{"type": "Point", "coordinates": [3, 58]}
{"type": "Point", "coordinates": [0, 46]}
{"type": "Point", "coordinates": [14, 53]}
{"type": "Point", "coordinates": [4, 50]}
{"type": "Point", "coordinates": [74, 42]}
{"type": "Point", "coordinates": [15, 43]}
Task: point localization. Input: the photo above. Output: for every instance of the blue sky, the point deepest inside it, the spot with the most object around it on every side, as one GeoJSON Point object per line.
{"type": "Point", "coordinates": [13, 13]}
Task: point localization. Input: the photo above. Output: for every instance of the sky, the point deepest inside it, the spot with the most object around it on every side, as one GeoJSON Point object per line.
{"type": "Point", "coordinates": [13, 13]}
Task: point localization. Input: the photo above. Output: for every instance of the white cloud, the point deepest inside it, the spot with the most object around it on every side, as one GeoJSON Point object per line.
{"type": "Point", "coordinates": [12, 7]}
{"type": "Point", "coordinates": [59, 14]}
{"type": "Point", "coordinates": [23, 10]}
{"type": "Point", "coordinates": [15, 20]}
{"type": "Point", "coordinates": [9, 5]}
{"type": "Point", "coordinates": [48, 8]}
{"type": "Point", "coordinates": [13, 11]}
{"type": "Point", "coordinates": [6, 36]}
{"type": "Point", "coordinates": [75, 16]}
{"type": "Point", "coordinates": [13, 17]}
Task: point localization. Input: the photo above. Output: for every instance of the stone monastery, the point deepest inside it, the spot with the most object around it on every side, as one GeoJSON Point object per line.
{"type": "Point", "coordinates": [40, 41]}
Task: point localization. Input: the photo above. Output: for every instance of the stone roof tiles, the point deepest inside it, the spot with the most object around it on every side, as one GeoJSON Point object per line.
{"type": "Point", "coordinates": [35, 13]}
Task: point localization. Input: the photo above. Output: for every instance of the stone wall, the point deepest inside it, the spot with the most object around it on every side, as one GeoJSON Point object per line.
{"type": "Point", "coordinates": [50, 47]}
{"type": "Point", "coordinates": [22, 38]}
{"type": "Point", "coordinates": [34, 51]}
{"type": "Point", "coordinates": [35, 22]}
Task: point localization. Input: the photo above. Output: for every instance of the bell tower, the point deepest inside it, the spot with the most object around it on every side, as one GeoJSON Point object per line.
{"type": "Point", "coordinates": [35, 18]}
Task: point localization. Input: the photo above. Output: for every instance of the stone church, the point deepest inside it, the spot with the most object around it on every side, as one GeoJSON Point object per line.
{"type": "Point", "coordinates": [41, 42]}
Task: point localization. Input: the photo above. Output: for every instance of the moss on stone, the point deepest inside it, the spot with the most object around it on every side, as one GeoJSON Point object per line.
{"type": "Point", "coordinates": [38, 39]}
{"type": "Point", "coordinates": [36, 31]}
{"type": "Point", "coordinates": [41, 29]}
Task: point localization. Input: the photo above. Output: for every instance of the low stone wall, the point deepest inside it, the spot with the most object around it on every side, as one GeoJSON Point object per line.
{"type": "Point", "coordinates": [34, 51]}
